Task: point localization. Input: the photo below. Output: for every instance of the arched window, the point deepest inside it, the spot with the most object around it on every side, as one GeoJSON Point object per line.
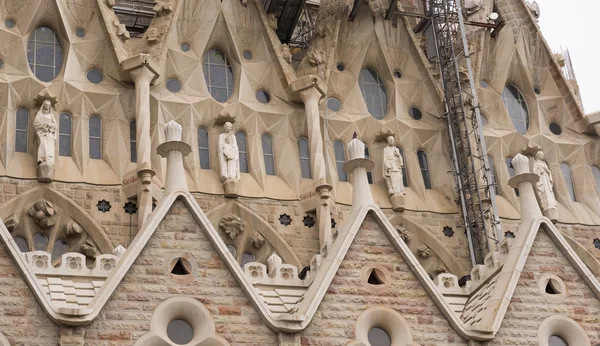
{"type": "Point", "coordinates": [511, 171]}
{"type": "Point", "coordinates": [95, 134]}
{"type": "Point", "coordinates": [304, 157]}
{"type": "Point", "coordinates": [44, 54]}
{"type": "Point", "coordinates": [22, 130]}
{"type": "Point", "coordinates": [404, 176]}
{"type": "Point", "coordinates": [516, 107]}
{"type": "Point", "coordinates": [424, 168]}
{"type": "Point", "coordinates": [218, 75]}
{"type": "Point", "coordinates": [596, 173]}
{"type": "Point", "coordinates": [340, 159]}
{"type": "Point", "coordinates": [64, 138]}
{"type": "Point", "coordinates": [492, 173]}
{"type": "Point", "coordinates": [373, 92]}
{"type": "Point", "coordinates": [368, 156]}
{"type": "Point", "coordinates": [240, 137]}
{"type": "Point", "coordinates": [267, 147]}
{"type": "Point", "coordinates": [203, 148]}
{"type": "Point", "coordinates": [133, 141]}
{"type": "Point", "coordinates": [566, 171]}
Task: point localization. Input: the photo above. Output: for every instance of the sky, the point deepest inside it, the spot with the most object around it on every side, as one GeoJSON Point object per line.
{"type": "Point", "coordinates": [573, 24]}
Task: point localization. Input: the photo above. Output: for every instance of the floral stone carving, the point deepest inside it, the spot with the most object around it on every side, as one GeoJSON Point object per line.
{"type": "Point", "coordinates": [232, 225]}
{"type": "Point", "coordinates": [43, 213]}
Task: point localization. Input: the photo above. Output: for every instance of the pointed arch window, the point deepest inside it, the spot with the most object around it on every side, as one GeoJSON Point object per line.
{"type": "Point", "coordinates": [95, 137]}
{"type": "Point", "coordinates": [368, 156]}
{"type": "Point", "coordinates": [424, 164]}
{"type": "Point", "coordinates": [22, 130]}
{"type": "Point", "coordinates": [218, 75]}
{"type": "Point", "coordinates": [65, 131]}
{"type": "Point", "coordinates": [240, 137]}
{"type": "Point", "coordinates": [44, 54]}
{"type": "Point", "coordinates": [133, 141]}
{"type": "Point", "coordinates": [404, 176]}
{"type": "Point", "coordinates": [304, 151]}
{"type": "Point", "coordinates": [269, 157]}
{"type": "Point", "coordinates": [596, 173]}
{"type": "Point", "coordinates": [203, 148]}
{"type": "Point", "coordinates": [373, 92]}
{"type": "Point", "coordinates": [566, 171]}
{"type": "Point", "coordinates": [516, 106]}
{"type": "Point", "coordinates": [340, 158]}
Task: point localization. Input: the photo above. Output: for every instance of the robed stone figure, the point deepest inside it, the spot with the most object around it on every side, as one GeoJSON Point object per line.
{"type": "Point", "coordinates": [392, 174]}
{"type": "Point", "coordinates": [45, 127]}
{"type": "Point", "coordinates": [229, 164]}
{"type": "Point", "coordinates": [544, 187]}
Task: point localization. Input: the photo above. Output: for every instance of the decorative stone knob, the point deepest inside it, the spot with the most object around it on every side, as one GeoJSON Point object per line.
{"type": "Point", "coordinates": [356, 149]}
{"type": "Point", "coordinates": [273, 262]}
{"type": "Point", "coordinates": [173, 131]}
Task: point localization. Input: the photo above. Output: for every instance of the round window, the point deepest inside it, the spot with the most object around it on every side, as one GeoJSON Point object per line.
{"type": "Point", "coordinates": [415, 113]}
{"type": "Point", "coordinates": [232, 250]}
{"type": "Point", "coordinates": [556, 340]}
{"type": "Point", "coordinates": [263, 96]}
{"type": "Point", "coordinates": [555, 128]}
{"type": "Point", "coordinates": [44, 54]}
{"type": "Point", "coordinates": [185, 47]}
{"type": "Point", "coordinates": [247, 258]}
{"type": "Point", "coordinates": [379, 337]}
{"type": "Point", "coordinates": [95, 76]}
{"type": "Point", "coordinates": [516, 106]}
{"type": "Point", "coordinates": [173, 85]}
{"type": "Point", "coordinates": [340, 67]}
{"type": "Point", "coordinates": [80, 32]}
{"type": "Point", "coordinates": [247, 55]}
{"type": "Point", "coordinates": [180, 332]}
{"type": "Point", "coordinates": [397, 74]}
{"type": "Point", "coordinates": [218, 75]}
{"type": "Point", "coordinates": [334, 104]}
{"type": "Point", "coordinates": [537, 90]}
{"type": "Point", "coordinates": [10, 23]}
{"type": "Point", "coordinates": [373, 92]}
{"type": "Point", "coordinates": [483, 84]}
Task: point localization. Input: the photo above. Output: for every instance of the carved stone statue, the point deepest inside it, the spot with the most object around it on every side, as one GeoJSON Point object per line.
{"type": "Point", "coordinates": [392, 173]}
{"type": "Point", "coordinates": [45, 126]}
{"type": "Point", "coordinates": [229, 160]}
{"type": "Point", "coordinates": [544, 187]}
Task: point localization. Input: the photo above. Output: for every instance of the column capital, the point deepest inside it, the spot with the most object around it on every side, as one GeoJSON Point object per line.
{"type": "Point", "coordinates": [140, 67]}
{"type": "Point", "coordinates": [310, 85]}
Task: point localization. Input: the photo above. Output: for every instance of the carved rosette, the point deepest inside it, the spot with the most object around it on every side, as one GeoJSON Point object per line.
{"type": "Point", "coordinates": [232, 225]}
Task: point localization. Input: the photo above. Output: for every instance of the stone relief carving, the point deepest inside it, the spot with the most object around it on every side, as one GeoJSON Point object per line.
{"type": "Point", "coordinates": [392, 174]}
{"type": "Point", "coordinates": [229, 160]}
{"type": "Point", "coordinates": [43, 213]}
{"type": "Point", "coordinates": [424, 254]}
{"type": "Point", "coordinates": [232, 225]}
{"type": "Point", "coordinates": [257, 240]}
{"type": "Point", "coordinates": [45, 127]}
{"type": "Point", "coordinates": [544, 187]}
{"type": "Point", "coordinates": [163, 6]}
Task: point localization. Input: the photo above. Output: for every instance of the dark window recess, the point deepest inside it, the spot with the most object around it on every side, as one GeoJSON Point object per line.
{"type": "Point", "coordinates": [135, 14]}
{"type": "Point", "coordinates": [333, 223]}
{"type": "Point", "coordinates": [379, 337]}
{"type": "Point", "coordinates": [431, 49]}
{"type": "Point", "coordinates": [341, 67]}
{"type": "Point", "coordinates": [550, 288]}
{"type": "Point", "coordinates": [287, 13]}
{"type": "Point", "coordinates": [180, 332]}
{"type": "Point", "coordinates": [448, 232]}
{"type": "Point", "coordinates": [179, 268]}
{"type": "Point", "coordinates": [463, 281]}
{"type": "Point", "coordinates": [509, 234]}
{"type": "Point", "coordinates": [555, 129]}
{"type": "Point", "coordinates": [285, 219]}
{"type": "Point", "coordinates": [597, 243]}
{"type": "Point", "coordinates": [369, 174]}
{"type": "Point", "coordinates": [303, 272]}
{"type": "Point", "coordinates": [308, 221]}
{"type": "Point", "coordinates": [374, 279]}
{"type": "Point", "coordinates": [130, 208]}
{"type": "Point", "coordinates": [103, 206]}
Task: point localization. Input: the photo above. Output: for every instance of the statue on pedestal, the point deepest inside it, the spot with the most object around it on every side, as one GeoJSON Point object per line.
{"type": "Point", "coordinates": [45, 127]}
{"type": "Point", "coordinates": [544, 187]}
{"type": "Point", "coordinates": [392, 173]}
{"type": "Point", "coordinates": [229, 160]}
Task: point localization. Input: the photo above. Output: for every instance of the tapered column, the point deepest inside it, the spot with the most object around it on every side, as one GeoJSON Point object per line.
{"type": "Point", "coordinates": [525, 180]}
{"type": "Point", "coordinates": [311, 96]}
{"type": "Point", "coordinates": [174, 150]}
{"type": "Point", "coordinates": [357, 167]}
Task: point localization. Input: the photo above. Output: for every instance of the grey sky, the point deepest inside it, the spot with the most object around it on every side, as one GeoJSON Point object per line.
{"type": "Point", "coordinates": [573, 24]}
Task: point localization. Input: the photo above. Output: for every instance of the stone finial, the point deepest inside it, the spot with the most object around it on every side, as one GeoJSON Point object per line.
{"type": "Point", "coordinates": [119, 251]}
{"type": "Point", "coordinates": [520, 164]}
{"type": "Point", "coordinates": [173, 131]}
{"type": "Point", "coordinates": [356, 149]}
{"type": "Point", "coordinates": [273, 262]}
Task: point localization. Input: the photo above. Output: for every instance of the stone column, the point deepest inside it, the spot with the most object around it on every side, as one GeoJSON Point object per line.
{"type": "Point", "coordinates": [142, 73]}
{"type": "Point", "coordinates": [525, 181]}
{"type": "Point", "coordinates": [174, 150]}
{"type": "Point", "coordinates": [357, 167]}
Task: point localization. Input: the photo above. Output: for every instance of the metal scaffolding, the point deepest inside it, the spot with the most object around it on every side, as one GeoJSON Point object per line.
{"type": "Point", "coordinates": [469, 153]}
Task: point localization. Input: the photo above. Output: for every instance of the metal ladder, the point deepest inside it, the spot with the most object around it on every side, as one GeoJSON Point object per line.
{"type": "Point", "coordinates": [469, 153]}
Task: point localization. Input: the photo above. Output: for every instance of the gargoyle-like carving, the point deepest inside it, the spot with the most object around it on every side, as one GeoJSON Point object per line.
{"type": "Point", "coordinates": [121, 30]}
{"type": "Point", "coordinates": [403, 233]}
{"type": "Point", "coordinates": [43, 213]}
{"type": "Point", "coordinates": [73, 228]}
{"type": "Point", "coordinates": [163, 7]}
{"type": "Point", "coordinates": [257, 240]}
{"type": "Point", "coordinates": [286, 54]}
{"type": "Point", "coordinates": [152, 35]}
{"type": "Point", "coordinates": [232, 225]}
{"type": "Point", "coordinates": [89, 249]}
{"type": "Point", "coordinates": [11, 223]}
{"type": "Point", "coordinates": [424, 252]}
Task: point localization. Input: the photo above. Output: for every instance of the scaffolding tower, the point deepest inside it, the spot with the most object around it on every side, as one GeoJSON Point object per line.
{"type": "Point", "coordinates": [471, 167]}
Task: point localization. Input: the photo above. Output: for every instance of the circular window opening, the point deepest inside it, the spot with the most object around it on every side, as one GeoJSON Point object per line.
{"type": "Point", "coordinates": [232, 250]}
{"type": "Point", "coordinates": [247, 258]}
{"type": "Point", "coordinates": [340, 67]}
{"type": "Point", "coordinates": [555, 128]}
{"type": "Point", "coordinates": [397, 74]}
{"type": "Point", "coordinates": [10, 23]}
{"type": "Point", "coordinates": [181, 266]}
{"type": "Point", "coordinates": [415, 113]}
{"type": "Point", "coordinates": [95, 76]}
{"type": "Point", "coordinates": [483, 84]}
{"type": "Point", "coordinates": [556, 340]}
{"type": "Point", "coordinates": [379, 337]}
{"type": "Point", "coordinates": [185, 47]}
{"type": "Point", "coordinates": [334, 104]}
{"type": "Point", "coordinates": [553, 287]}
{"type": "Point", "coordinates": [537, 90]}
{"type": "Point", "coordinates": [376, 277]}
{"type": "Point", "coordinates": [173, 85]}
{"type": "Point", "coordinates": [247, 55]}
{"type": "Point", "coordinates": [263, 96]}
{"type": "Point", "coordinates": [180, 332]}
{"type": "Point", "coordinates": [80, 32]}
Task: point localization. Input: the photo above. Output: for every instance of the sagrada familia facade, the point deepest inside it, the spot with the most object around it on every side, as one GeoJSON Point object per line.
{"type": "Point", "coordinates": [293, 172]}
